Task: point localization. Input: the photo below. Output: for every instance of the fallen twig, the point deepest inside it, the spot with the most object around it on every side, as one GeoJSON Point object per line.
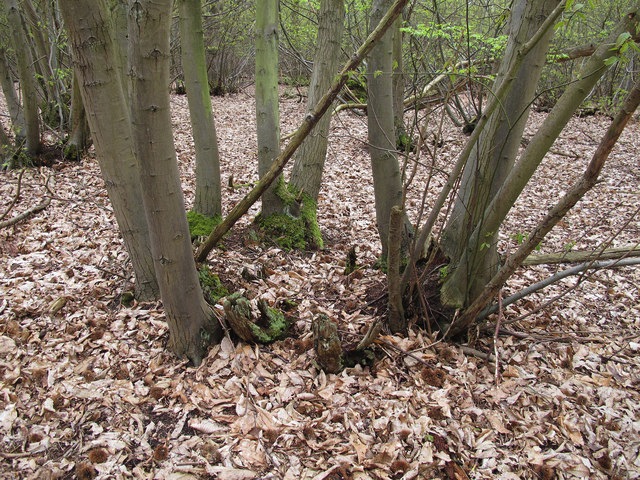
{"type": "Point", "coordinates": [16, 197]}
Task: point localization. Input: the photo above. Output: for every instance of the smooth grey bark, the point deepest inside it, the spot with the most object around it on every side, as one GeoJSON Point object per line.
{"type": "Point", "coordinates": [425, 231]}
{"type": "Point", "coordinates": [192, 323]}
{"type": "Point", "coordinates": [557, 212]}
{"type": "Point", "coordinates": [26, 75]}
{"type": "Point", "coordinates": [10, 96]}
{"type": "Point", "coordinates": [306, 175]}
{"type": "Point", "coordinates": [554, 123]}
{"type": "Point", "coordinates": [387, 177]}
{"type": "Point", "coordinates": [403, 142]}
{"type": "Point", "coordinates": [91, 39]}
{"type": "Point", "coordinates": [493, 157]}
{"type": "Point", "coordinates": [267, 107]}
{"type": "Point", "coordinates": [208, 198]}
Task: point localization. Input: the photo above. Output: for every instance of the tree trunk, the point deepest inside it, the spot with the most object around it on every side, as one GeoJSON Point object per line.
{"type": "Point", "coordinates": [403, 142]}
{"type": "Point", "coordinates": [493, 157]}
{"type": "Point", "coordinates": [10, 96]}
{"type": "Point", "coordinates": [118, 14]}
{"type": "Point", "coordinates": [267, 108]}
{"type": "Point", "coordinates": [79, 138]}
{"type": "Point", "coordinates": [519, 176]}
{"type": "Point", "coordinates": [52, 104]}
{"type": "Point", "coordinates": [27, 78]}
{"type": "Point", "coordinates": [108, 116]}
{"type": "Point", "coordinates": [557, 212]}
{"type": "Point", "coordinates": [387, 178]}
{"type": "Point", "coordinates": [208, 199]}
{"type": "Point", "coordinates": [192, 324]}
{"type": "Point", "coordinates": [308, 166]}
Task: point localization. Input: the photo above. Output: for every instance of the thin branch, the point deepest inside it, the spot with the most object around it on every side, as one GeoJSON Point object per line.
{"type": "Point", "coordinates": [556, 277]}
{"type": "Point", "coordinates": [16, 197]}
{"type": "Point", "coordinates": [18, 218]}
{"type": "Point", "coordinates": [496, 101]}
{"type": "Point", "coordinates": [557, 212]}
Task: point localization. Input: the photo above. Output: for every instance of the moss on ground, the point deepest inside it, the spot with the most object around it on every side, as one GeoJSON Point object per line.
{"type": "Point", "coordinates": [296, 228]}
{"type": "Point", "coordinates": [212, 287]}
{"type": "Point", "coordinates": [201, 225]}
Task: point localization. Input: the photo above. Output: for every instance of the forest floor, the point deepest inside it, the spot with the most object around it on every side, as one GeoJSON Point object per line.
{"type": "Point", "coordinates": [89, 390]}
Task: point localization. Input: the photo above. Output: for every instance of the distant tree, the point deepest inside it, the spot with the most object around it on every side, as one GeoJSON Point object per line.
{"type": "Point", "coordinates": [208, 198]}
{"type": "Point", "coordinates": [78, 140]}
{"type": "Point", "coordinates": [16, 114]}
{"type": "Point", "coordinates": [27, 78]}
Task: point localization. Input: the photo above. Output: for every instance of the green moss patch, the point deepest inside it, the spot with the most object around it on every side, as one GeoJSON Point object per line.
{"type": "Point", "coordinates": [297, 228]}
{"type": "Point", "coordinates": [212, 287]}
{"type": "Point", "coordinates": [201, 225]}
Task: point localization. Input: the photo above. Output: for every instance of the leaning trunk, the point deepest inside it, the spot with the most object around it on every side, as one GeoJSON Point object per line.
{"type": "Point", "coordinates": [495, 213]}
{"type": "Point", "coordinates": [493, 157]}
{"type": "Point", "coordinates": [108, 116]}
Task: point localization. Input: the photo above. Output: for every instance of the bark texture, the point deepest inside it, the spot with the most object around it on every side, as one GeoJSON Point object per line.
{"type": "Point", "coordinates": [557, 212]}
{"type": "Point", "coordinates": [10, 96]}
{"type": "Point", "coordinates": [192, 325]}
{"type": "Point", "coordinates": [26, 75]}
{"type": "Point", "coordinates": [208, 199]}
{"type": "Point", "coordinates": [267, 107]}
{"type": "Point", "coordinates": [493, 156]}
{"type": "Point", "coordinates": [109, 121]}
{"type": "Point", "coordinates": [308, 166]}
{"type": "Point", "coordinates": [387, 177]}
{"type": "Point", "coordinates": [523, 170]}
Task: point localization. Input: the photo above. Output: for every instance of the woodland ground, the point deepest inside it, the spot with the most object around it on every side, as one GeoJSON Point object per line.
{"type": "Point", "coordinates": [91, 390]}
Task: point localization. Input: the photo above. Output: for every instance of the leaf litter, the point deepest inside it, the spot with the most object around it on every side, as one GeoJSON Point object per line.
{"type": "Point", "coordinates": [89, 390]}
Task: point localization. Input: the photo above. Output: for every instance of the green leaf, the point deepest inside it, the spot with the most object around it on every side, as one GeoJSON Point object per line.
{"type": "Point", "coordinates": [622, 39]}
{"type": "Point", "coordinates": [611, 61]}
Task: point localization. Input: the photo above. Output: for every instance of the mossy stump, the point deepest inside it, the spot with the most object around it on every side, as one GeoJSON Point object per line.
{"type": "Point", "coordinates": [269, 326]}
{"type": "Point", "coordinates": [327, 344]}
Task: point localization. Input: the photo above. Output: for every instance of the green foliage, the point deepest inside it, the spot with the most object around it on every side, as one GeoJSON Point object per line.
{"type": "Point", "coordinates": [520, 238]}
{"type": "Point", "coordinates": [443, 272]}
{"type": "Point", "coordinates": [201, 225]}
{"type": "Point", "coordinates": [212, 287]}
{"type": "Point", "coordinates": [588, 22]}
